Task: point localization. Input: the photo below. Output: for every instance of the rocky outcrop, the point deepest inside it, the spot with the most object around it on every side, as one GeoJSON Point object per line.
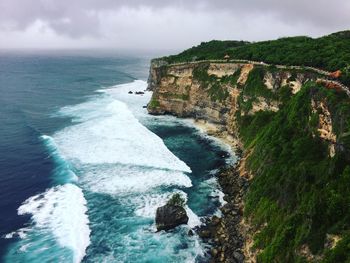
{"type": "Point", "coordinates": [180, 94]}
{"type": "Point", "coordinates": [220, 70]}
{"type": "Point", "coordinates": [325, 127]}
{"type": "Point", "coordinates": [170, 216]}
{"type": "Point", "coordinates": [210, 91]}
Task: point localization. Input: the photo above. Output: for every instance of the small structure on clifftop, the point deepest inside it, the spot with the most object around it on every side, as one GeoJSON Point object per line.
{"type": "Point", "coordinates": [227, 57]}
{"type": "Point", "coordinates": [335, 74]}
{"type": "Point", "coordinates": [172, 214]}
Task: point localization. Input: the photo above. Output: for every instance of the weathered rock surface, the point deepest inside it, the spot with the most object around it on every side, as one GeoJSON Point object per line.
{"type": "Point", "coordinates": [170, 216]}
{"type": "Point", "coordinates": [176, 91]}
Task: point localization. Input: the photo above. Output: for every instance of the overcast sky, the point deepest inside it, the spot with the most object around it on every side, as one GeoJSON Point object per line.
{"type": "Point", "coordinates": [162, 24]}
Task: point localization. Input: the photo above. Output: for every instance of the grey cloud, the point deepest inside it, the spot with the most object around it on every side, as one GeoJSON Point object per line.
{"type": "Point", "coordinates": [80, 18]}
{"type": "Point", "coordinates": [318, 12]}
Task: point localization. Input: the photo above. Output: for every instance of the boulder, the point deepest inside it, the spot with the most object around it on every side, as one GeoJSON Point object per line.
{"type": "Point", "coordinates": [170, 216]}
{"type": "Point", "coordinates": [238, 256]}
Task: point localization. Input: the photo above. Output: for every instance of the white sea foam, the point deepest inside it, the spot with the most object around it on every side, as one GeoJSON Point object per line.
{"type": "Point", "coordinates": [62, 211]}
{"type": "Point", "coordinates": [121, 179]}
{"type": "Point", "coordinates": [148, 204]}
{"type": "Point", "coordinates": [116, 137]}
{"type": "Point", "coordinates": [216, 192]}
{"type": "Point", "coordinates": [193, 219]}
{"type": "Point", "coordinates": [21, 233]}
{"type": "Point", "coordinates": [135, 102]}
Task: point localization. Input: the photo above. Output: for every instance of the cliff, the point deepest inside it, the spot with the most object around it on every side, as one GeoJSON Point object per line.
{"type": "Point", "coordinates": [295, 135]}
{"type": "Point", "coordinates": [216, 92]}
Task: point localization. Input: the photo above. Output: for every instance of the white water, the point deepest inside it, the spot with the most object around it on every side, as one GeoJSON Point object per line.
{"type": "Point", "coordinates": [112, 134]}
{"type": "Point", "coordinates": [61, 210]}
{"type": "Point", "coordinates": [124, 179]}
{"type": "Point", "coordinates": [111, 153]}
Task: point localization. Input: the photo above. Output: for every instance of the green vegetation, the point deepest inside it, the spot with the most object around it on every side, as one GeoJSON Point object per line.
{"type": "Point", "coordinates": [215, 86]}
{"type": "Point", "coordinates": [231, 79]}
{"type": "Point", "coordinates": [255, 85]}
{"type": "Point", "coordinates": [330, 52]}
{"type": "Point", "coordinates": [206, 50]}
{"type": "Point", "coordinates": [200, 73]}
{"type": "Point", "coordinates": [341, 253]}
{"type": "Point", "coordinates": [255, 88]}
{"type": "Point", "coordinates": [177, 200]}
{"type": "Point", "coordinates": [217, 92]}
{"type": "Point", "coordinates": [154, 103]}
{"type": "Point", "coordinates": [299, 194]}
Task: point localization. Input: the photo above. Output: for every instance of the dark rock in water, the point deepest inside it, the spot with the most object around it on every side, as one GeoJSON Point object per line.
{"type": "Point", "coordinates": [215, 221]}
{"type": "Point", "coordinates": [139, 92]}
{"type": "Point", "coordinates": [170, 216]}
{"type": "Point", "coordinates": [205, 233]}
{"type": "Point", "coordinates": [214, 252]}
{"type": "Point", "coordinates": [190, 232]}
{"type": "Point", "coordinates": [144, 107]}
{"type": "Point", "coordinates": [130, 92]}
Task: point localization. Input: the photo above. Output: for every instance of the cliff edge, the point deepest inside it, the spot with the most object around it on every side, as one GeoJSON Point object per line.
{"type": "Point", "coordinates": [294, 132]}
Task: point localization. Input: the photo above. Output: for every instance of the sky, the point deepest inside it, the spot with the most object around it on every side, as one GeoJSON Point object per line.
{"type": "Point", "coordinates": [162, 24]}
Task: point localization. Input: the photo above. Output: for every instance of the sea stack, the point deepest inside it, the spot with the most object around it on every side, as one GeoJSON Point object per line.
{"type": "Point", "coordinates": [170, 216]}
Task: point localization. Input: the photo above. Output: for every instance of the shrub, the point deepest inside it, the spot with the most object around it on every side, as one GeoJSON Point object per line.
{"type": "Point", "coordinates": [154, 103]}
{"type": "Point", "coordinates": [177, 200]}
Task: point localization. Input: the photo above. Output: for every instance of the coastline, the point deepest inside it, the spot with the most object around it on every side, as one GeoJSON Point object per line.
{"type": "Point", "coordinates": [219, 132]}
{"type": "Point", "coordinates": [227, 234]}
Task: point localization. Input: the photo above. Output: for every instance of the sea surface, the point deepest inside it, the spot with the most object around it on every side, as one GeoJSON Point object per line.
{"type": "Point", "coordinates": [83, 167]}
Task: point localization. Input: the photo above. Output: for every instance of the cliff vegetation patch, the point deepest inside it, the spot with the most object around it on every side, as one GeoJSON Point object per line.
{"type": "Point", "coordinates": [299, 193]}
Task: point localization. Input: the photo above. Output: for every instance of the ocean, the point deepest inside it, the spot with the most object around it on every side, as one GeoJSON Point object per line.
{"type": "Point", "coordinates": [83, 167]}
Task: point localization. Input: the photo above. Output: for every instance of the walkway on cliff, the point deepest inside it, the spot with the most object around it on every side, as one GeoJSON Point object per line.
{"type": "Point", "coordinates": [317, 70]}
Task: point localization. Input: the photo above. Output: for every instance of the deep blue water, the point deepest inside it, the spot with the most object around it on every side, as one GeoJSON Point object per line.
{"type": "Point", "coordinates": [94, 163]}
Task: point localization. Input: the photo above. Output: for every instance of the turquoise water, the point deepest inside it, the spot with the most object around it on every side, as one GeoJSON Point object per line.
{"type": "Point", "coordinates": [102, 165]}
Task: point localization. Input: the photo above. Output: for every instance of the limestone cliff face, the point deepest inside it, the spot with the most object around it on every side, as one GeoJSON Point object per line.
{"type": "Point", "coordinates": [325, 127]}
{"type": "Point", "coordinates": [211, 91]}
{"type": "Point", "coordinates": [232, 96]}
{"type": "Point", "coordinates": [177, 92]}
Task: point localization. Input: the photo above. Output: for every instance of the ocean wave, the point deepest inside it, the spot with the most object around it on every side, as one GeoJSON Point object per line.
{"type": "Point", "coordinates": [61, 211]}
{"type": "Point", "coordinates": [115, 138]}
{"type": "Point", "coordinates": [58, 229]}
{"type": "Point", "coordinates": [63, 171]}
{"type": "Point", "coordinates": [119, 179]}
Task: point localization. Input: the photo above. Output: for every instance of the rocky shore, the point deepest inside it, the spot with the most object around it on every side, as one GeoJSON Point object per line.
{"type": "Point", "coordinates": [225, 234]}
